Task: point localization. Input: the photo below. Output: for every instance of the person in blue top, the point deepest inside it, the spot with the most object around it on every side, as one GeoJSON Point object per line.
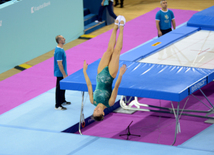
{"type": "Point", "coordinates": [60, 71]}
{"type": "Point", "coordinates": [164, 18]}
{"type": "Point", "coordinates": [104, 4]}
{"type": "Point", "coordinates": [103, 96]}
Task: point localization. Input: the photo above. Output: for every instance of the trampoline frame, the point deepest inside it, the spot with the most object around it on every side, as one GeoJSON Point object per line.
{"type": "Point", "coordinates": [127, 105]}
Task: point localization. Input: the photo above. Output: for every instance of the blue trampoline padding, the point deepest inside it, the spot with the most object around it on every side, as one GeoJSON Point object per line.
{"type": "Point", "coordinates": [185, 30]}
{"type": "Point", "coordinates": [211, 77]}
{"type": "Point", "coordinates": [156, 81]}
{"type": "Point", "coordinates": [167, 39]}
{"type": "Point", "coordinates": [203, 19]}
{"type": "Point", "coordinates": [202, 141]}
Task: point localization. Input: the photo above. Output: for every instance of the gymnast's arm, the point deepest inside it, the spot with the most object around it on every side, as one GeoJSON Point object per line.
{"type": "Point", "coordinates": [88, 82]}
{"type": "Point", "coordinates": [117, 84]}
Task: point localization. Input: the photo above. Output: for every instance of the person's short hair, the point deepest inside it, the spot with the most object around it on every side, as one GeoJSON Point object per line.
{"type": "Point", "coordinates": [162, 1]}
{"type": "Point", "coordinates": [98, 118]}
{"type": "Point", "coordinates": [58, 37]}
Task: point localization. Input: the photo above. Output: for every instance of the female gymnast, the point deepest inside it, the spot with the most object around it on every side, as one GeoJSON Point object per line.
{"type": "Point", "coordinates": [103, 96]}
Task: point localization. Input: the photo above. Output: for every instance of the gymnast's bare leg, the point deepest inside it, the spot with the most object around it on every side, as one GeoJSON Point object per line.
{"type": "Point", "coordinates": [114, 63]}
{"type": "Point", "coordinates": [108, 54]}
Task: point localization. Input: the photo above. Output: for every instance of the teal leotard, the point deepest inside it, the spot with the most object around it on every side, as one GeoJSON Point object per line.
{"type": "Point", "coordinates": [103, 89]}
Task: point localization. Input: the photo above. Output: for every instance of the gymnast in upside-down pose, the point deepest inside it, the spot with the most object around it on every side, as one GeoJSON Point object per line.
{"type": "Point", "coordinates": [103, 96]}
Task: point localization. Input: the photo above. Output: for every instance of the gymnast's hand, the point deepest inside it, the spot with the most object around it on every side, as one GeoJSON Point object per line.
{"type": "Point", "coordinates": [123, 69]}
{"type": "Point", "coordinates": [85, 66]}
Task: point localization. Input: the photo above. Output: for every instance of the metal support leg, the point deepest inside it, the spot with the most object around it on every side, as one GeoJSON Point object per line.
{"type": "Point", "coordinates": [82, 120]}
{"type": "Point", "coordinates": [177, 111]}
{"type": "Point", "coordinates": [207, 98]}
{"type": "Point", "coordinates": [201, 101]}
{"type": "Point", "coordinates": [177, 126]}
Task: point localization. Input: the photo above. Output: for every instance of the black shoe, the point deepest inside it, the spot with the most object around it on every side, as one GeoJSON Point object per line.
{"type": "Point", "coordinates": [66, 103]}
{"type": "Point", "coordinates": [61, 108]}
{"type": "Point", "coordinates": [121, 6]}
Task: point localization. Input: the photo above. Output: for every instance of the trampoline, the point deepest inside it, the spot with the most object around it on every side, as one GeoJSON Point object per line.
{"type": "Point", "coordinates": [168, 68]}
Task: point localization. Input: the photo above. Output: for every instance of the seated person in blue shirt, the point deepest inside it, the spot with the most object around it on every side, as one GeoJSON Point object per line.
{"type": "Point", "coordinates": [103, 96]}
{"type": "Point", "coordinates": [164, 18]}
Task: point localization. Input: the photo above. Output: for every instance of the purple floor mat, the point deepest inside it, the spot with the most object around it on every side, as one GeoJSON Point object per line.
{"type": "Point", "coordinates": [155, 127]}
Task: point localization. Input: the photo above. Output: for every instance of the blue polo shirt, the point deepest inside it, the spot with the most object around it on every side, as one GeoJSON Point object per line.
{"type": "Point", "coordinates": [165, 18]}
{"type": "Point", "coordinates": [59, 55]}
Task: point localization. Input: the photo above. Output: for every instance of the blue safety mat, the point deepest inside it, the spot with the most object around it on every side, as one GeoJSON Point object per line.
{"type": "Point", "coordinates": [203, 19]}
{"type": "Point", "coordinates": [39, 113]}
{"type": "Point", "coordinates": [155, 81]}
{"type": "Point", "coordinates": [158, 44]}
{"type": "Point", "coordinates": [31, 142]}
{"type": "Point", "coordinates": [197, 143]}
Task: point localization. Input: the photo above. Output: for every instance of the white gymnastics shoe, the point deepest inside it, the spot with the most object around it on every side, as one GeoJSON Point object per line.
{"type": "Point", "coordinates": [118, 18]}
{"type": "Point", "coordinates": [122, 19]}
